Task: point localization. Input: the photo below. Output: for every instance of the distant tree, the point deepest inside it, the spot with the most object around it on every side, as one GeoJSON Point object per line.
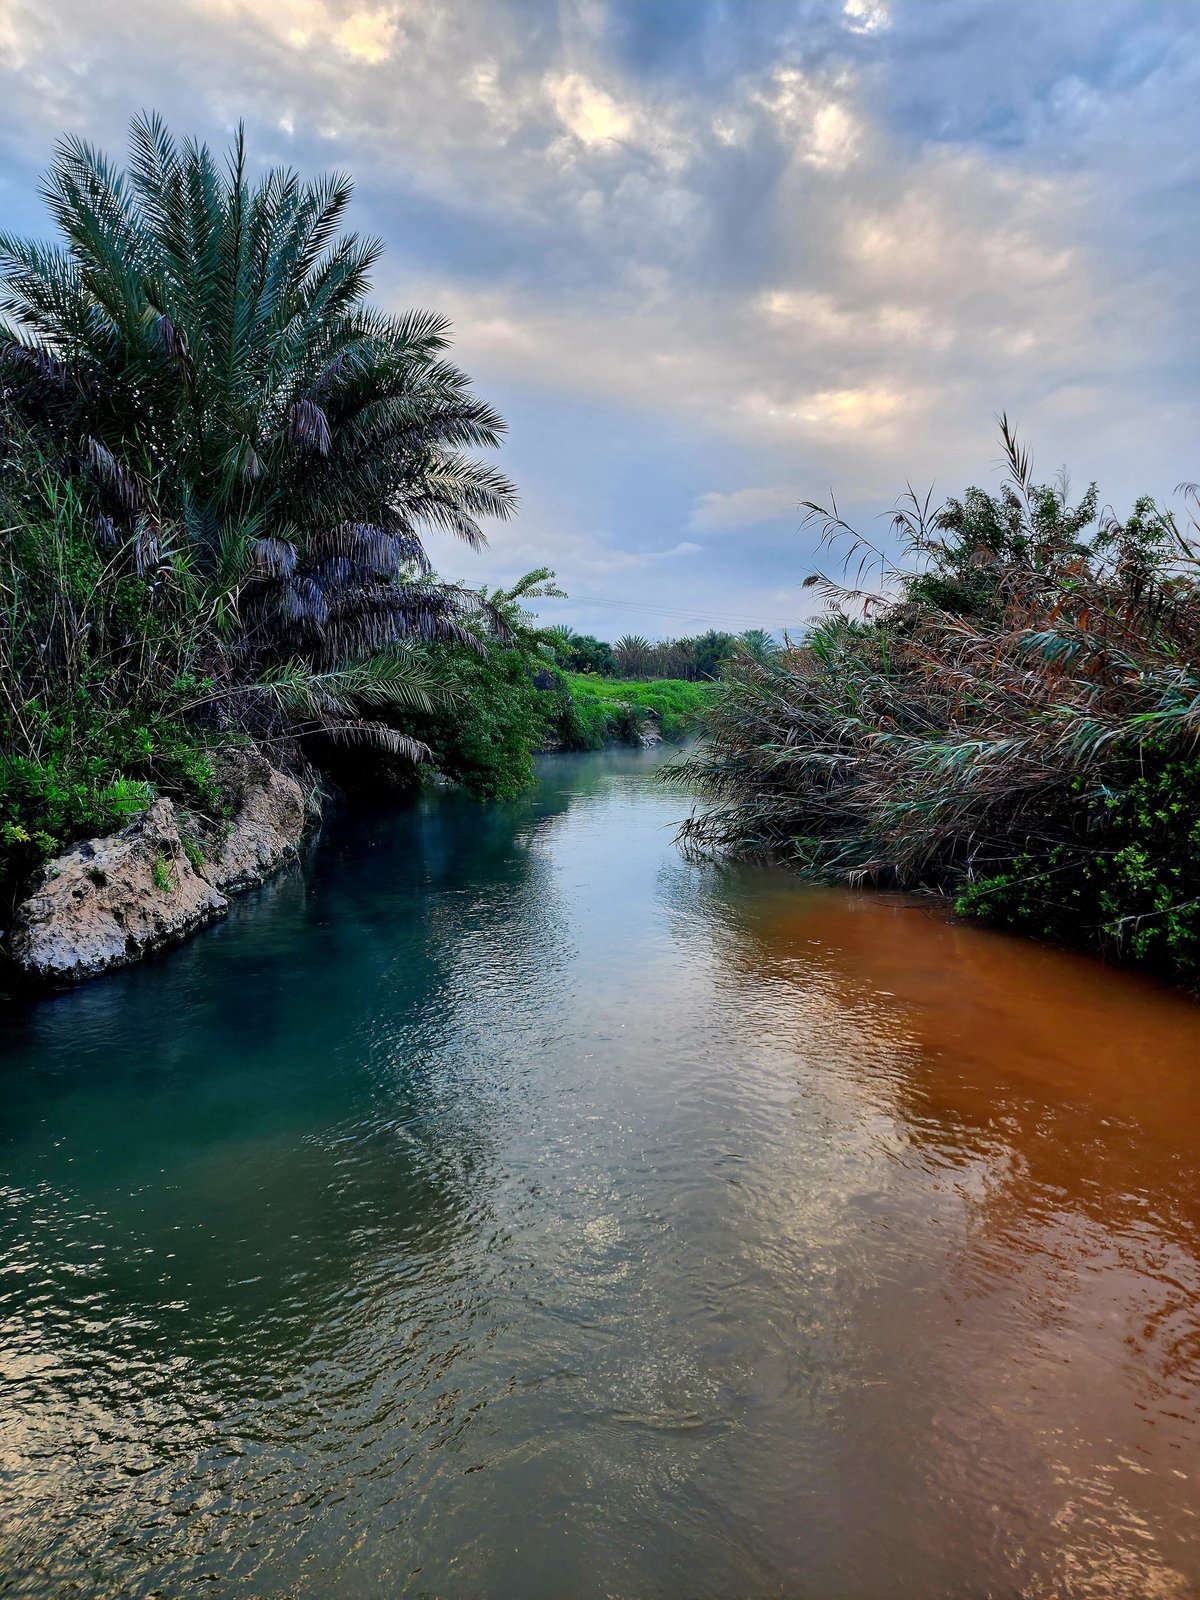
{"type": "Point", "coordinates": [583, 652]}
{"type": "Point", "coordinates": [759, 645]}
{"type": "Point", "coordinates": [634, 655]}
{"type": "Point", "coordinates": [711, 650]}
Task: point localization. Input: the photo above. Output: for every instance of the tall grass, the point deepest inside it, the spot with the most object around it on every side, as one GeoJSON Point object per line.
{"type": "Point", "coordinates": [110, 683]}
{"type": "Point", "coordinates": [1008, 711]}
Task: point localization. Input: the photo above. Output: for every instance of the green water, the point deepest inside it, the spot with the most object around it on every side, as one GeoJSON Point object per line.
{"type": "Point", "coordinates": [497, 1205]}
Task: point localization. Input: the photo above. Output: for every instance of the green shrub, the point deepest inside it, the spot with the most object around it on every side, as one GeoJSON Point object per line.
{"type": "Point", "coordinates": [1129, 882]}
{"type": "Point", "coordinates": [98, 676]}
{"type": "Point", "coordinates": [582, 652]}
{"type": "Point", "coordinates": [486, 733]}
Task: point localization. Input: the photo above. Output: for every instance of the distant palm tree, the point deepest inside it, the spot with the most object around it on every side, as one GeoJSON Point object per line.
{"type": "Point", "coordinates": [759, 645]}
{"type": "Point", "coordinates": [633, 655]}
{"type": "Point", "coordinates": [203, 344]}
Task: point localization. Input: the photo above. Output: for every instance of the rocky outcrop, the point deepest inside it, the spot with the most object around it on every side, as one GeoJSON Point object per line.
{"type": "Point", "coordinates": [109, 902]}
{"type": "Point", "coordinates": [268, 824]}
{"type": "Point", "coordinates": [650, 728]}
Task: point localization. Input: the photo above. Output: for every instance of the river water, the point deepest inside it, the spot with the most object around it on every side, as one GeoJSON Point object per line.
{"type": "Point", "coordinates": [498, 1205]}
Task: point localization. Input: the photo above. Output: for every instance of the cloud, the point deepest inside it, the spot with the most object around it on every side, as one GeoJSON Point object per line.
{"type": "Point", "coordinates": [743, 508]}
{"type": "Point", "coordinates": [592, 116]}
{"type": "Point", "coordinates": [369, 35]}
{"type": "Point", "coordinates": [864, 16]}
{"type": "Point", "coordinates": [780, 247]}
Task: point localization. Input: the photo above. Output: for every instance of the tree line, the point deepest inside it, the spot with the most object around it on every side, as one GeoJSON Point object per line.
{"type": "Point", "coordinates": [691, 660]}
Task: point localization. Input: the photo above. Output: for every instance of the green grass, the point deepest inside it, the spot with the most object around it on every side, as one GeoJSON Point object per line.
{"type": "Point", "coordinates": [619, 705]}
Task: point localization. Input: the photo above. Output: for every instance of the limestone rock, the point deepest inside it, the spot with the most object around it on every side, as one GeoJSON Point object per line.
{"type": "Point", "coordinates": [268, 824]}
{"type": "Point", "coordinates": [650, 729]}
{"type": "Point", "coordinates": [108, 902]}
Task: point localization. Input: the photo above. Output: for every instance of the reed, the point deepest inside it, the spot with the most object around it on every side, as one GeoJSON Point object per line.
{"type": "Point", "coordinates": [1006, 709]}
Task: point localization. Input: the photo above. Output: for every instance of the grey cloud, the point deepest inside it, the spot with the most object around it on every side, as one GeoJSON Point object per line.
{"type": "Point", "coordinates": [821, 243]}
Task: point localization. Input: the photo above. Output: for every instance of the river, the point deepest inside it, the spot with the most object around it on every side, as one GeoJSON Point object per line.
{"type": "Point", "coordinates": [499, 1205]}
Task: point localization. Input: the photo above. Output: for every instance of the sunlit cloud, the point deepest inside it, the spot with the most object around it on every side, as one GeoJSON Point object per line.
{"type": "Point", "coordinates": [592, 116]}
{"type": "Point", "coordinates": [864, 16]}
{"type": "Point", "coordinates": [368, 35]}
{"type": "Point", "coordinates": [712, 260]}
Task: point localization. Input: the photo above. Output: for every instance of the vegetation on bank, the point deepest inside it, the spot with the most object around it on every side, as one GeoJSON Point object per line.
{"type": "Point", "coordinates": [605, 711]}
{"type": "Point", "coordinates": [218, 461]}
{"type": "Point", "coordinates": [1013, 719]}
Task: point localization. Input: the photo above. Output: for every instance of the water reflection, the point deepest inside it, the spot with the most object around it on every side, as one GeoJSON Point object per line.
{"type": "Point", "coordinates": [1038, 1120]}
{"type": "Point", "coordinates": [500, 1206]}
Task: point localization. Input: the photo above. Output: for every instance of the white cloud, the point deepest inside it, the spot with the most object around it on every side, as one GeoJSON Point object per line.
{"type": "Point", "coordinates": [864, 16]}
{"type": "Point", "coordinates": [593, 116]}
{"type": "Point", "coordinates": [743, 508]}
{"type": "Point", "coordinates": [369, 35]}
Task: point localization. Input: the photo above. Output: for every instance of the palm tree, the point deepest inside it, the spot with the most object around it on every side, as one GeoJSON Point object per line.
{"type": "Point", "coordinates": [759, 645]}
{"type": "Point", "coordinates": [633, 654]}
{"type": "Point", "coordinates": [202, 345]}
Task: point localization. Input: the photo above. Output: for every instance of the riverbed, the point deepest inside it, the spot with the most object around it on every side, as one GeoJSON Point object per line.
{"type": "Point", "coordinates": [499, 1205]}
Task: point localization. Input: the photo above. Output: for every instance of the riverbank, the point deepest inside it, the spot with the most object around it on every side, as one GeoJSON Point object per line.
{"type": "Point", "coordinates": [593, 711]}
{"type": "Point", "coordinates": [112, 900]}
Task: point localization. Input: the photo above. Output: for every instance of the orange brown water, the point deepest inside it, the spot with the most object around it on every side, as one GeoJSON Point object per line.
{"type": "Point", "coordinates": [501, 1206]}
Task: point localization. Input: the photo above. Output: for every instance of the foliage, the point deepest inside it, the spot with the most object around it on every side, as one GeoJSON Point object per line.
{"type": "Point", "coordinates": [483, 731]}
{"type": "Point", "coordinates": [1128, 874]}
{"type": "Point", "coordinates": [216, 463]}
{"type": "Point", "coordinates": [758, 644]}
{"type": "Point", "coordinates": [484, 737]}
{"type": "Point", "coordinates": [96, 674]}
{"type": "Point", "coordinates": [693, 660]}
{"type": "Point", "coordinates": [607, 711]}
{"type": "Point", "coordinates": [1013, 718]}
{"type": "Point", "coordinates": [582, 652]}
{"type": "Point", "coordinates": [202, 347]}
{"type": "Point", "coordinates": [634, 655]}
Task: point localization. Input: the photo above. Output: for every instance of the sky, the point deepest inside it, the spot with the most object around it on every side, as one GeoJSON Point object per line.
{"type": "Point", "coordinates": [713, 258]}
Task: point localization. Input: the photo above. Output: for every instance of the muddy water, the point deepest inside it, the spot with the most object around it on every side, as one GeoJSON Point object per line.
{"type": "Point", "coordinates": [500, 1206]}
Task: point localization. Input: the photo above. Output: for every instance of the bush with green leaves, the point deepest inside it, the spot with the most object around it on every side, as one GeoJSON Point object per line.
{"type": "Point", "coordinates": [582, 652]}
{"type": "Point", "coordinates": [1015, 721]}
{"type": "Point", "coordinates": [485, 732]}
{"type": "Point", "coordinates": [1129, 870]}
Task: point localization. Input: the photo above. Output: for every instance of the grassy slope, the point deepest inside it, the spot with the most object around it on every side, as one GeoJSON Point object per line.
{"type": "Point", "coordinates": [601, 702]}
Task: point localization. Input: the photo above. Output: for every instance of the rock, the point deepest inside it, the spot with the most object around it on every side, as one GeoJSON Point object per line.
{"type": "Point", "coordinates": [650, 728]}
{"type": "Point", "coordinates": [111, 901]}
{"type": "Point", "coordinates": [268, 823]}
